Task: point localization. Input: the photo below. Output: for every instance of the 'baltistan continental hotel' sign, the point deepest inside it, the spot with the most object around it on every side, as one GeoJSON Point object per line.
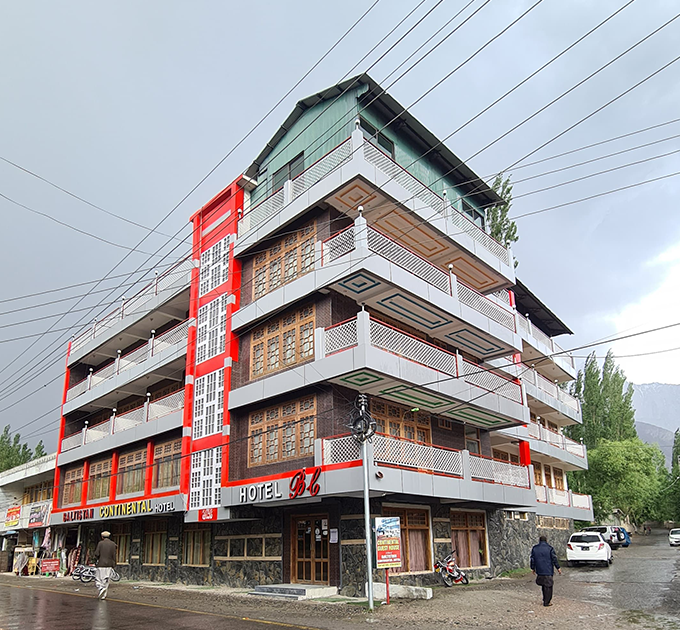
{"type": "Point", "coordinates": [161, 505]}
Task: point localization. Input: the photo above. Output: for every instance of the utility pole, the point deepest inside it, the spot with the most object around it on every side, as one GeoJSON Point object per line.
{"type": "Point", "coordinates": [363, 427]}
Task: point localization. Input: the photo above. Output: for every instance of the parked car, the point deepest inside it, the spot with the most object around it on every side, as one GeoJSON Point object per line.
{"type": "Point", "coordinates": [609, 533]}
{"type": "Point", "coordinates": [588, 547]}
{"type": "Point", "coordinates": [674, 537]}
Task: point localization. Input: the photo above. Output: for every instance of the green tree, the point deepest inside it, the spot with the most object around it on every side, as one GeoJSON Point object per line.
{"type": "Point", "coordinates": [627, 475]}
{"type": "Point", "coordinates": [13, 452]}
{"type": "Point", "coordinates": [501, 227]}
{"type": "Point", "coordinates": [672, 494]}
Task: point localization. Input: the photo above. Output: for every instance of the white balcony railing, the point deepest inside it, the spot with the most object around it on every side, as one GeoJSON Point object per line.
{"type": "Point", "coordinates": [558, 497]}
{"type": "Point", "coordinates": [562, 357]}
{"type": "Point", "coordinates": [529, 375]}
{"type": "Point", "coordinates": [538, 432]}
{"type": "Point", "coordinates": [116, 423]}
{"type": "Point", "coordinates": [154, 346]}
{"type": "Point", "coordinates": [345, 335]}
{"type": "Point", "coordinates": [582, 501]}
{"type": "Point", "coordinates": [345, 241]}
{"type": "Point", "coordinates": [566, 498]}
{"type": "Point", "coordinates": [359, 148]}
{"type": "Point", "coordinates": [135, 304]}
{"type": "Point", "coordinates": [541, 494]}
{"type": "Point", "coordinates": [403, 453]}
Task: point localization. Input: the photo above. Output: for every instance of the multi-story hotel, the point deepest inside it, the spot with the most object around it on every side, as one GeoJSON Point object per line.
{"type": "Point", "coordinates": [206, 420]}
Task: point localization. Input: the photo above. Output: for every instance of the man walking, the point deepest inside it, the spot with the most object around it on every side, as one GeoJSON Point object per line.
{"type": "Point", "coordinates": [543, 564]}
{"type": "Point", "coordinates": [105, 555]}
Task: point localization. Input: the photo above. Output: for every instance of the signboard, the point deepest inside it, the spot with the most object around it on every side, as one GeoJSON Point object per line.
{"type": "Point", "coordinates": [303, 483]}
{"type": "Point", "coordinates": [12, 516]}
{"type": "Point", "coordinates": [38, 515]}
{"type": "Point", "coordinates": [140, 507]}
{"type": "Point", "coordinates": [387, 542]}
{"type": "Point", "coordinates": [49, 565]}
{"type": "Point", "coordinates": [207, 514]}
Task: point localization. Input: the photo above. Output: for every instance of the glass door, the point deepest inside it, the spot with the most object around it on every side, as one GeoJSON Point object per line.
{"type": "Point", "coordinates": [310, 549]}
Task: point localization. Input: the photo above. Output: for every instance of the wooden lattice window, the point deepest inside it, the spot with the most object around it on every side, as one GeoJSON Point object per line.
{"type": "Point", "coordinates": [399, 421]}
{"type": "Point", "coordinates": [155, 541]}
{"type": "Point", "coordinates": [558, 478]}
{"type": "Point", "coordinates": [73, 486]}
{"type": "Point", "coordinates": [538, 473]}
{"type": "Point", "coordinates": [283, 432]}
{"type": "Point", "coordinates": [167, 458]}
{"type": "Point", "coordinates": [100, 480]}
{"type": "Point", "coordinates": [289, 258]}
{"type": "Point", "coordinates": [131, 468]}
{"type": "Point", "coordinates": [39, 492]}
{"type": "Point", "coordinates": [468, 538]}
{"type": "Point", "coordinates": [415, 539]}
{"type": "Point", "coordinates": [283, 342]}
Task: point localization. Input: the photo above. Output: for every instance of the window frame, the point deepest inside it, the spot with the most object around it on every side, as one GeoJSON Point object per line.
{"type": "Point", "coordinates": [273, 340]}
{"type": "Point", "coordinates": [100, 480]}
{"type": "Point", "coordinates": [130, 465]}
{"type": "Point", "coordinates": [476, 440]}
{"type": "Point", "coordinates": [168, 453]}
{"type": "Point", "coordinates": [267, 431]}
{"type": "Point", "coordinates": [121, 534]}
{"type": "Point", "coordinates": [484, 528]}
{"type": "Point", "coordinates": [190, 533]}
{"type": "Point", "coordinates": [376, 138]}
{"type": "Point", "coordinates": [72, 491]}
{"type": "Point", "coordinates": [271, 267]}
{"type": "Point", "coordinates": [208, 404]}
{"type": "Point", "coordinates": [288, 172]}
{"type": "Point", "coordinates": [155, 542]}
{"type": "Point", "coordinates": [414, 426]}
{"type": "Point", "coordinates": [406, 526]}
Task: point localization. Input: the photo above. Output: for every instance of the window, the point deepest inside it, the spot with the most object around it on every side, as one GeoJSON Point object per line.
{"type": "Point", "coordinates": [73, 486]}
{"type": "Point", "coordinates": [214, 266]}
{"type": "Point", "coordinates": [131, 472]}
{"type": "Point", "coordinates": [558, 478]}
{"type": "Point", "coordinates": [258, 546]}
{"type": "Point", "coordinates": [208, 404]}
{"type": "Point", "coordinates": [167, 459]}
{"type": "Point", "coordinates": [506, 457]}
{"type": "Point", "coordinates": [289, 258]}
{"type": "Point", "coordinates": [468, 538]}
{"type": "Point", "coordinates": [476, 216]}
{"type": "Point", "coordinates": [211, 329]}
{"type": "Point", "coordinates": [472, 440]}
{"type": "Point", "coordinates": [39, 492]}
{"type": "Point", "coordinates": [283, 432]}
{"type": "Point", "coordinates": [283, 342]}
{"type": "Point", "coordinates": [548, 477]}
{"type": "Point", "coordinates": [415, 539]}
{"type": "Point", "coordinates": [289, 171]}
{"type": "Point", "coordinates": [518, 516]}
{"type": "Point", "coordinates": [399, 421]}
{"type": "Point", "coordinates": [155, 539]}
{"type": "Point", "coordinates": [445, 423]}
{"type": "Point", "coordinates": [120, 534]}
{"type": "Point", "coordinates": [377, 138]}
{"type": "Point", "coordinates": [196, 545]}
{"type": "Point", "coordinates": [538, 474]}
{"type": "Point", "coordinates": [206, 478]}
{"type": "Point", "coordinates": [100, 480]}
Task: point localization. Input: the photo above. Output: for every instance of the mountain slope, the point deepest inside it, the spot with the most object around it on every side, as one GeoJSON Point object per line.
{"type": "Point", "coordinates": [663, 438]}
{"type": "Point", "coordinates": [657, 404]}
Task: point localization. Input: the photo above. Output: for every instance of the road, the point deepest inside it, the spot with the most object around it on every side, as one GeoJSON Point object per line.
{"type": "Point", "coordinates": [640, 590]}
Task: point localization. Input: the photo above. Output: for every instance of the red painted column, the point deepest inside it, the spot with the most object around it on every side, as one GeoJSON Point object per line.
{"type": "Point", "coordinates": [85, 483]}
{"type": "Point", "coordinates": [62, 425]}
{"type": "Point", "coordinates": [148, 471]}
{"type": "Point", "coordinates": [524, 453]}
{"type": "Point", "coordinates": [114, 476]}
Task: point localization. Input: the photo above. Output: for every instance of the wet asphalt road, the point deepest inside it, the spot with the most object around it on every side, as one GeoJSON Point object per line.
{"type": "Point", "coordinates": [644, 576]}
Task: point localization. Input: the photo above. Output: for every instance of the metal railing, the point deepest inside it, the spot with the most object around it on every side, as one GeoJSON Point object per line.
{"type": "Point", "coordinates": [150, 410]}
{"type": "Point", "coordinates": [152, 347]}
{"type": "Point", "coordinates": [341, 336]}
{"type": "Point", "coordinates": [539, 432]}
{"type": "Point", "coordinates": [497, 471]}
{"type": "Point", "coordinates": [135, 304]}
{"type": "Point", "coordinates": [531, 376]}
{"type": "Point", "coordinates": [562, 357]}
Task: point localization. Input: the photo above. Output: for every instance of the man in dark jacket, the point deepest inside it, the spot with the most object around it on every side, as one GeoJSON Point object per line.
{"type": "Point", "coordinates": [543, 564]}
{"type": "Point", "coordinates": [105, 555]}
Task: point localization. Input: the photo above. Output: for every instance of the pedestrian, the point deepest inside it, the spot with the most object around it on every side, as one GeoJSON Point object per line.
{"type": "Point", "coordinates": [543, 564]}
{"type": "Point", "coordinates": [105, 555]}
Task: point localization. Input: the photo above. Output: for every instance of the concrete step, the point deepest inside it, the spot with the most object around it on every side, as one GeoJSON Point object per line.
{"type": "Point", "coordinates": [295, 591]}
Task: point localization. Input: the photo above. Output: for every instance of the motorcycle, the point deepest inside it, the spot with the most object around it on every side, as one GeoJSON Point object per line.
{"type": "Point", "coordinates": [449, 571]}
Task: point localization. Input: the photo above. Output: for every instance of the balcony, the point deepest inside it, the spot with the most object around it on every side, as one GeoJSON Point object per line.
{"type": "Point", "coordinates": [162, 355]}
{"type": "Point", "coordinates": [124, 323]}
{"type": "Point", "coordinates": [564, 503]}
{"type": "Point", "coordinates": [357, 173]}
{"type": "Point", "coordinates": [370, 267]}
{"type": "Point", "coordinates": [368, 355]}
{"type": "Point", "coordinates": [561, 366]}
{"type": "Point", "coordinates": [143, 422]}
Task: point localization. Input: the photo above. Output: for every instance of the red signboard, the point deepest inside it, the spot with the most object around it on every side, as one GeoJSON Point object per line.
{"type": "Point", "coordinates": [12, 516]}
{"type": "Point", "coordinates": [387, 542]}
{"type": "Point", "coordinates": [49, 565]}
{"type": "Point", "coordinates": [207, 514]}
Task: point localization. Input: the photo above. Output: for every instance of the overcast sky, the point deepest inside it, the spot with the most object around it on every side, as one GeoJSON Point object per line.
{"type": "Point", "coordinates": [130, 104]}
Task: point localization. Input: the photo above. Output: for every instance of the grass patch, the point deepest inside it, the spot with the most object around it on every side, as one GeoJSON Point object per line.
{"type": "Point", "coordinates": [516, 573]}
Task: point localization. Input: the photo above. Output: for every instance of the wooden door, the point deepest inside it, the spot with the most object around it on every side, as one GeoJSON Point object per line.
{"type": "Point", "coordinates": [310, 549]}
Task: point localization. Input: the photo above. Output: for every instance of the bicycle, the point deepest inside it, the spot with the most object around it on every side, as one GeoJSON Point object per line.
{"type": "Point", "coordinates": [87, 572]}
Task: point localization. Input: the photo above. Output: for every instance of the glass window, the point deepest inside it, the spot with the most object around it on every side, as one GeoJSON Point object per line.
{"type": "Point", "coordinates": [100, 480]}
{"type": "Point", "coordinates": [468, 538]}
{"type": "Point", "coordinates": [289, 171]}
{"type": "Point", "coordinates": [402, 422]}
{"type": "Point", "coordinates": [476, 216]}
{"type": "Point", "coordinates": [131, 468]}
{"type": "Point", "coordinates": [73, 486]}
{"type": "Point", "coordinates": [214, 266]}
{"type": "Point", "coordinates": [377, 138]}
{"type": "Point", "coordinates": [283, 432]}
{"type": "Point", "coordinates": [208, 404]}
{"type": "Point", "coordinates": [120, 534]}
{"type": "Point", "coordinates": [472, 440]}
{"type": "Point", "coordinates": [206, 478]}
{"type": "Point", "coordinates": [415, 539]}
{"type": "Point", "coordinates": [196, 545]}
{"type": "Point", "coordinates": [155, 540]}
{"type": "Point", "coordinates": [167, 458]}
